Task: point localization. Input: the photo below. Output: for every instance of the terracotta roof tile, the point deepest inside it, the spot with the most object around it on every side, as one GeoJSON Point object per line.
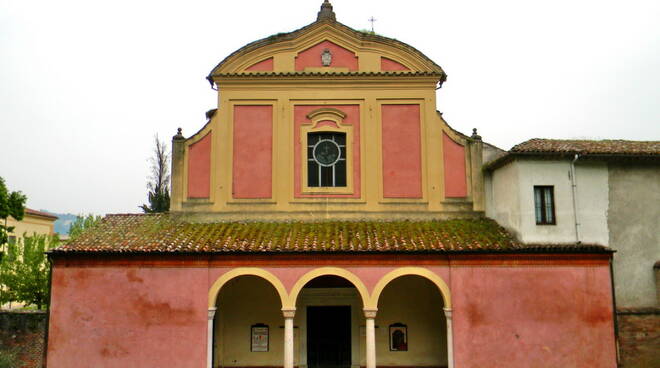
{"type": "Point", "coordinates": [617, 149]}
{"type": "Point", "coordinates": [173, 233]}
{"type": "Point", "coordinates": [29, 211]}
{"type": "Point", "coordinates": [572, 146]}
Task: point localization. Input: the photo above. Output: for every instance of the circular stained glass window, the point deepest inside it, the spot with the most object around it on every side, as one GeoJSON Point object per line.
{"type": "Point", "coordinates": [326, 152]}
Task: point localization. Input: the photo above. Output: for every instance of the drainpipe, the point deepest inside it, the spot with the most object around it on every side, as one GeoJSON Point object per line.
{"type": "Point", "coordinates": [614, 315]}
{"type": "Point", "coordinates": [575, 200]}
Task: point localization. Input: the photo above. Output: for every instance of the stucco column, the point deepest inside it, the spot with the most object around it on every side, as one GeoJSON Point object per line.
{"type": "Point", "coordinates": [176, 179]}
{"type": "Point", "coordinates": [450, 339]}
{"type": "Point", "coordinates": [370, 315]}
{"type": "Point", "coordinates": [288, 337]}
{"type": "Point", "coordinates": [209, 339]}
{"type": "Point", "coordinates": [476, 162]}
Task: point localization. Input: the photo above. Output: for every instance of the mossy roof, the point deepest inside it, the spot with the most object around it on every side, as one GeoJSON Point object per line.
{"type": "Point", "coordinates": [174, 233]}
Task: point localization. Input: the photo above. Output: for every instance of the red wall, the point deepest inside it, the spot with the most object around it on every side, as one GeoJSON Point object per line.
{"type": "Point", "coordinates": [391, 65]}
{"type": "Point", "coordinates": [547, 316]}
{"type": "Point", "coordinates": [352, 118]}
{"type": "Point", "coordinates": [505, 313]}
{"type": "Point", "coordinates": [455, 175]}
{"type": "Point", "coordinates": [340, 57]}
{"type": "Point", "coordinates": [253, 142]}
{"type": "Point", "coordinates": [128, 317]}
{"type": "Point", "coordinates": [199, 168]}
{"type": "Point", "coordinates": [264, 65]}
{"type": "Point", "coordinates": [402, 163]}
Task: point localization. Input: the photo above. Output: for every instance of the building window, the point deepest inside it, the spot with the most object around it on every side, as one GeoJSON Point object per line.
{"type": "Point", "coordinates": [11, 239]}
{"type": "Point", "coordinates": [326, 154]}
{"type": "Point", "coordinates": [326, 159]}
{"type": "Point", "coordinates": [544, 205]}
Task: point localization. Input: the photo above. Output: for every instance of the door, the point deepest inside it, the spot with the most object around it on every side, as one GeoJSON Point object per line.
{"type": "Point", "coordinates": [329, 337]}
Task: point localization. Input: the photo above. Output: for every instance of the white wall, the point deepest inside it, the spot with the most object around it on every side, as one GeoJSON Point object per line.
{"type": "Point", "coordinates": [511, 200]}
{"type": "Point", "coordinates": [593, 202]}
{"type": "Point", "coordinates": [502, 197]}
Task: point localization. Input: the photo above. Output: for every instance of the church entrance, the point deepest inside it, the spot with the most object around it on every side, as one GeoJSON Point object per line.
{"type": "Point", "coordinates": [329, 336]}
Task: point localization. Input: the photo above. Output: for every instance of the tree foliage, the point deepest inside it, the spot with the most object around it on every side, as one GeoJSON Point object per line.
{"type": "Point", "coordinates": [159, 180]}
{"type": "Point", "coordinates": [8, 357]}
{"type": "Point", "coordinates": [81, 223]}
{"type": "Point", "coordinates": [24, 270]}
{"type": "Point", "coordinates": [11, 204]}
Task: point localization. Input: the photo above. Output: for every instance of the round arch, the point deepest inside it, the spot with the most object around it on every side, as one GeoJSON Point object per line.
{"type": "Point", "coordinates": [329, 271]}
{"type": "Point", "coordinates": [405, 271]}
{"type": "Point", "coordinates": [247, 271]}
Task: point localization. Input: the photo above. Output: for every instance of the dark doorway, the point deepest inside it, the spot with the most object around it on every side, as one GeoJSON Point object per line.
{"type": "Point", "coordinates": [329, 337]}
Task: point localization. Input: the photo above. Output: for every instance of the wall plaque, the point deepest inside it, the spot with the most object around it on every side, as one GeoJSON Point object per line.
{"type": "Point", "coordinates": [398, 337]}
{"type": "Point", "coordinates": [259, 338]}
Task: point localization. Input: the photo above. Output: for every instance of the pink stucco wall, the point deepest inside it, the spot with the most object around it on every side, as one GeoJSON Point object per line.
{"type": "Point", "coordinates": [253, 142]}
{"type": "Point", "coordinates": [453, 155]}
{"type": "Point", "coordinates": [199, 168]}
{"type": "Point", "coordinates": [352, 118]}
{"type": "Point", "coordinates": [533, 317]}
{"type": "Point", "coordinates": [505, 314]}
{"type": "Point", "coordinates": [128, 317]}
{"type": "Point", "coordinates": [402, 162]}
{"type": "Point", "coordinates": [391, 65]}
{"type": "Point", "coordinates": [340, 57]}
{"type": "Point", "coordinates": [262, 66]}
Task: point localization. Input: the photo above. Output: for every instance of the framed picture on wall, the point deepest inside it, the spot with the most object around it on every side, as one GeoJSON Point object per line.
{"type": "Point", "coordinates": [398, 337]}
{"type": "Point", "coordinates": [259, 335]}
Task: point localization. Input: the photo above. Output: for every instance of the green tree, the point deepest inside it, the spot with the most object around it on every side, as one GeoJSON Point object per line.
{"type": "Point", "coordinates": [11, 204]}
{"type": "Point", "coordinates": [24, 270]}
{"type": "Point", "coordinates": [8, 358]}
{"type": "Point", "coordinates": [159, 180]}
{"type": "Point", "coordinates": [81, 223]}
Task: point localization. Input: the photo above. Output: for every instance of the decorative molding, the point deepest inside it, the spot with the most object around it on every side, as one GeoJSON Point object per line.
{"type": "Point", "coordinates": [370, 312]}
{"type": "Point", "coordinates": [211, 313]}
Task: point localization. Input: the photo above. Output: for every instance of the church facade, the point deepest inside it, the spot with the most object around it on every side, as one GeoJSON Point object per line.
{"type": "Point", "coordinates": [326, 216]}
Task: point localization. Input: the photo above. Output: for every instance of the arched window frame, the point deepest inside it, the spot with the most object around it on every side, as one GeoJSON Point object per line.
{"type": "Point", "coordinates": [317, 124]}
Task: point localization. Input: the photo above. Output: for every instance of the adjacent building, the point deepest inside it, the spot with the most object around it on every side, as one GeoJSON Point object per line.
{"type": "Point", "coordinates": [591, 192]}
{"type": "Point", "coordinates": [33, 222]}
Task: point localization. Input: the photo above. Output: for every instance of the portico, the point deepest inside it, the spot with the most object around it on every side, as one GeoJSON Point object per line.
{"type": "Point", "coordinates": [414, 297]}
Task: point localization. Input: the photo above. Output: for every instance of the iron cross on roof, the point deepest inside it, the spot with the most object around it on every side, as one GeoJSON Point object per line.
{"type": "Point", "coordinates": [372, 20]}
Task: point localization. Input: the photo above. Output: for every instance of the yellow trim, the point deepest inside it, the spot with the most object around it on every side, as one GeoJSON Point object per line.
{"type": "Point", "coordinates": [326, 113]}
{"type": "Point", "coordinates": [335, 271]}
{"type": "Point", "coordinates": [247, 271]}
{"type": "Point", "coordinates": [418, 271]}
{"type": "Point", "coordinates": [336, 116]}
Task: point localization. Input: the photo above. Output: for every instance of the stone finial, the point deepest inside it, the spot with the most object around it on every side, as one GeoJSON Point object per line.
{"type": "Point", "coordinates": [326, 12]}
{"type": "Point", "coordinates": [178, 135]}
{"type": "Point", "coordinates": [475, 135]}
{"type": "Point", "coordinates": [209, 114]}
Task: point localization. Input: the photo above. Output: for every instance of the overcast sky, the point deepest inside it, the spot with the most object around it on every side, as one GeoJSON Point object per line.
{"type": "Point", "coordinates": [84, 85]}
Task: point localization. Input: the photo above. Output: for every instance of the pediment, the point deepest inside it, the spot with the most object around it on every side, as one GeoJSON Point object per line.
{"type": "Point", "coordinates": [347, 49]}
